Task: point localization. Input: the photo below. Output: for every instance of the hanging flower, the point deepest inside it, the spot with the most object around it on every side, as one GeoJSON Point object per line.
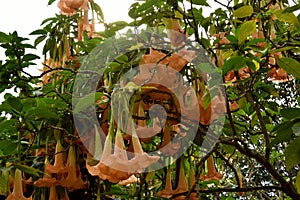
{"type": "Point", "coordinates": [69, 7]}
{"type": "Point", "coordinates": [212, 173]}
{"type": "Point", "coordinates": [47, 180]}
{"type": "Point", "coordinates": [168, 191]}
{"type": "Point", "coordinates": [73, 179]}
{"type": "Point", "coordinates": [168, 147]}
{"type": "Point", "coordinates": [182, 182]}
{"type": "Point", "coordinates": [58, 167]}
{"type": "Point", "coordinates": [107, 167]}
{"type": "Point", "coordinates": [53, 194]}
{"type": "Point", "coordinates": [17, 193]}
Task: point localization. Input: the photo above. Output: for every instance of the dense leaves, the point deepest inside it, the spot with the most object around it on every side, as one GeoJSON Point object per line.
{"type": "Point", "coordinates": [255, 48]}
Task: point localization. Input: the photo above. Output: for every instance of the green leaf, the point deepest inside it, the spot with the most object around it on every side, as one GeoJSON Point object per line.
{"type": "Point", "coordinates": [246, 30]}
{"type": "Point", "coordinates": [232, 38]}
{"type": "Point", "coordinates": [290, 65]}
{"type": "Point", "coordinates": [116, 26]}
{"type": "Point", "coordinates": [287, 17]}
{"type": "Point", "coordinates": [8, 125]}
{"type": "Point", "coordinates": [132, 11]}
{"type": "Point", "coordinates": [98, 10]}
{"type": "Point", "coordinates": [29, 170]}
{"type": "Point", "coordinates": [296, 129]}
{"type": "Point", "coordinates": [201, 2]}
{"type": "Point", "coordinates": [292, 154]}
{"type": "Point", "coordinates": [243, 11]}
{"type": "Point", "coordinates": [39, 32]}
{"type": "Point", "coordinates": [233, 63]}
{"type": "Point", "coordinates": [50, 2]}
{"type": "Point", "coordinates": [29, 57]}
{"type": "Point", "coordinates": [15, 103]}
{"type": "Point", "coordinates": [283, 132]}
{"type": "Point", "coordinates": [86, 101]}
{"type": "Point", "coordinates": [122, 59]}
{"type": "Point", "coordinates": [8, 147]}
{"type": "Point", "coordinates": [4, 38]}
{"type": "Point", "coordinates": [290, 113]}
{"type": "Point", "coordinates": [39, 40]}
{"type": "Point", "coordinates": [145, 6]}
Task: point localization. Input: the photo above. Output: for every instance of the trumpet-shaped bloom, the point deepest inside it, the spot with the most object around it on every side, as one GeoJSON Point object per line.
{"type": "Point", "coordinates": [59, 160]}
{"type": "Point", "coordinates": [69, 7]}
{"type": "Point", "coordinates": [17, 193]}
{"type": "Point", "coordinates": [47, 180]}
{"type": "Point", "coordinates": [73, 180]}
{"type": "Point", "coordinates": [212, 173]}
{"type": "Point", "coordinates": [168, 191]}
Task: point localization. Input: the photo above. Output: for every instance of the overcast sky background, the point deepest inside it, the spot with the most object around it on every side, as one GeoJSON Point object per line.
{"type": "Point", "coordinates": [26, 16]}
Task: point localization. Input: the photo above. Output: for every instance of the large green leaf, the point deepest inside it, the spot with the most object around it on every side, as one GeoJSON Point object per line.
{"type": "Point", "coordinates": [98, 10]}
{"type": "Point", "coordinates": [83, 103]}
{"type": "Point", "coordinates": [243, 11]}
{"type": "Point", "coordinates": [145, 6]}
{"type": "Point", "coordinates": [290, 65]}
{"type": "Point", "coordinates": [201, 2]}
{"type": "Point", "coordinates": [8, 125]}
{"type": "Point", "coordinates": [292, 154]}
{"type": "Point", "coordinates": [246, 30]}
{"type": "Point", "coordinates": [287, 17]}
{"type": "Point", "coordinates": [233, 63]}
{"type": "Point", "coordinates": [29, 170]}
{"type": "Point", "coordinates": [15, 103]}
{"type": "Point", "coordinates": [8, 147]}
{"type": "Point", "coordinates": [4, 38]}
{"type": "Point", "coordinates": [283, 132]}
{"type": "Point", "coordinates": [290, 113]}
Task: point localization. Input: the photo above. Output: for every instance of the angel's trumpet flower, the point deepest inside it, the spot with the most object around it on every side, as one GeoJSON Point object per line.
{"type": "Point", "coordinates": [53, 194]}
{"type": "Point", "coordinates": [47, 180]}
{"type": "Point", "coordinates": [73, 180]}
{"type": "Point", "coordinates": [107, 168]}
{"type": "Point", "coordinates": [212, 173]}
{"type": "Point", "coordinates": [17, 193]}
{"type": "Point", "coordinates": [68, 7]}
{"type": "Point", "coordinates": [118, 163]}
{"type": "Point", "coordinates": [182, 182]}
{"type": "Point", "coordinates": [168, 191]}
{"type": "Point", "coordinates": [193, 195]}
{"type": "Point", "coordinates": [141, 159]}
{"type": "Point", "coordinates": [59, 159]}
{"type": "Point", "coordinates": [143, 132]}
{"type": "Point", "coordinates": [168, 147]}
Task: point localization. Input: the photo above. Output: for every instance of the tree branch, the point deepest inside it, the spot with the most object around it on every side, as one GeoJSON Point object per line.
{"type": "Point", "coordinates": [288, 188]}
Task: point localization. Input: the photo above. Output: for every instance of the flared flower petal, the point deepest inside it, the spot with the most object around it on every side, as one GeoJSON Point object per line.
{"type": "Point", "coordinates": [73, 180]}
{"type": "Point", "coordinates": [212, 173]}
{"type": "Point", "coordinates": [17, 193]}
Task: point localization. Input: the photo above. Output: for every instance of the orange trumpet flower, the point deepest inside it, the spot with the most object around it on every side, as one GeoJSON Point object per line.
{"type": "Point", "coordinates": [17, 193]}
{"type": "Point", "coordinates": [73, 179]}
{"type": "Point", "coordinates": [212, 173]}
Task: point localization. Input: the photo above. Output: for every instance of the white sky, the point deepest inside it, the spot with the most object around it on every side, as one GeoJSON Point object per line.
{"type": "Point", "coordinates": [25, 16]}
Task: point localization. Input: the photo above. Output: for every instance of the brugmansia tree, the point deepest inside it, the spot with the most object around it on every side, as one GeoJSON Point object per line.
{"type": "Point", "coordinates": [52, 148]}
